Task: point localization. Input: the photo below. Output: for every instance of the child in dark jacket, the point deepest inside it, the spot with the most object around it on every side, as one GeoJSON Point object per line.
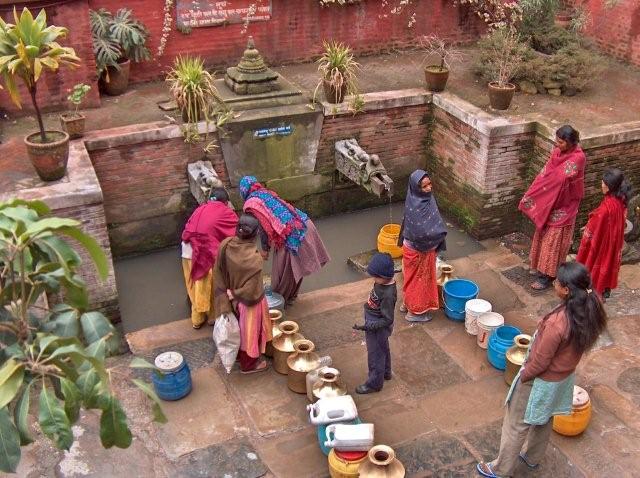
{"type": "Point", "coordinates": [378, 322]}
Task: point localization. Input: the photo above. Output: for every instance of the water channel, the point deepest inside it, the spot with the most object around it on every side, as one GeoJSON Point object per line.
{"type": "Point", "coordinates": [151, 287]}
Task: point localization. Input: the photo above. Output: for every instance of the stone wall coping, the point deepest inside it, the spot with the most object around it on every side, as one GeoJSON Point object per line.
{"type": "Point", "coordinates": [380, 100]}
{"type": "Point", "coordinates": [599, 136]}
{"type": "Point", "coordinates": [80, 187]}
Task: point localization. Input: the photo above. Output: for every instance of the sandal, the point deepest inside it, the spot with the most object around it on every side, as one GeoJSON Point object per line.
{"type": "Point", "coordinates": [403, 309]}
{"type": "Point", "coordinates": [541, 284]}
{"type": "Point", "coordinates": [261, 367]}
{"type": "Point", "coordinates": [196, 327]}
{"type": "Point", "coordinates": [485, 470]}
{"type": "Point", "coordinates": [523, 457]}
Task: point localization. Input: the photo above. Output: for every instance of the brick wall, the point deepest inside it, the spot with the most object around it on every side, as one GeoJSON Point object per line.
{"type": "Point", "coordinates": [53, 88]}
{"type": "Point", "coordinates": [296, 31]}
{"type": "Point", "coordinates": [617, 29]}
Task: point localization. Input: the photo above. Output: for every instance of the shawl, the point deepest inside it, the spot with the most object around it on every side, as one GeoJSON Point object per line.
{"type": "Point", "coordinates": [209, 224]}
{"type": "Point", "coordinates": [238, 268]}
{"type": "Point", "coordinates": [422, 225]}
{"type": "Point", "coordinates": [554, 196]}
{"type": "Point", "coordinates": [284, 225]}
{"type": "Point", "coordinates": [602, 241]}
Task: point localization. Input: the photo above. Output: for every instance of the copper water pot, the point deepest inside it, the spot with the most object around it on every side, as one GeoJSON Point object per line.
{"type": "Point", "coordinates": [303, 360]}
{"type": "Point", "coordinates": [283, 345]}
{"type": "Point", "coordinates": [445, 276]}
{"type": "Point", "coordinates": [515, 356]}
{"type": "Point", "coordinates": [275, 316]}
{"type": "Point", "coordinates": [381, 463]}
{"type": "Point", "coordinates": [329, 384]}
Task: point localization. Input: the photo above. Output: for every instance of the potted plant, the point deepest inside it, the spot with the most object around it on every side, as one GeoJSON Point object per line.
{"type": "Point", "coordinates": [26, 50]}
{"type": "Point", "coordinates": [117, 40]}
{"type": "Point", "coordinates": [338, 70]}
{"type": "Point", "coordinates": [503, 61]}
{"type": "Point", "coordinates": [73, 122]}
{"type": "Point", "coordinates": [437, 74]}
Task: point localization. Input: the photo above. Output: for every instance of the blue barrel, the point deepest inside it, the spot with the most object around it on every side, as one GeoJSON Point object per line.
{"type": "Point", "coordinates": [172, 380]}
{"type": "Point", "coordinates": [499, 342]}
{"type": "Point", "coordinates": [456, 293]}
{"type": "Point", "coordinates": [322, 434]}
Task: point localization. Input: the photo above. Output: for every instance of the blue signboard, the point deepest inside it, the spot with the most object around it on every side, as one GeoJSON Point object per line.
{"type": "Point", "coordinates": [275, 131]}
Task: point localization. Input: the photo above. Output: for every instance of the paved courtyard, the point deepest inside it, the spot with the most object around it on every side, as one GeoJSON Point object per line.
{"type": "Point", "coordinates": [441, 411]}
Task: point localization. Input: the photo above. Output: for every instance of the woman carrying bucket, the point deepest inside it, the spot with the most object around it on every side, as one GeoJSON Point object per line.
{"type": "Point", "coordinates": [422, 236]}
{"type": "Point", "coordinates": [543, 386]}
{"type": "Point", "coordinates": [552, 203]}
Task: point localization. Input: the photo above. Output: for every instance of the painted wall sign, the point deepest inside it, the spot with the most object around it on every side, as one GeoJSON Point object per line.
{"type": "Point", "coordinates": [207, 13]}
{"type": "Point", "coordinates": [276, 131]}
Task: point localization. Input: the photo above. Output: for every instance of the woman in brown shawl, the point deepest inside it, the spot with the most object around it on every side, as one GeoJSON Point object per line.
{"type": "Point", "coordinates": [239, 289]}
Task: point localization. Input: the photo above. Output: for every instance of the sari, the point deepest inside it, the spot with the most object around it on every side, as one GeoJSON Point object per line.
{"type": "Point", "coordinates": [422, 235]}
{"type": "Point", "coordinates": [601, 245]}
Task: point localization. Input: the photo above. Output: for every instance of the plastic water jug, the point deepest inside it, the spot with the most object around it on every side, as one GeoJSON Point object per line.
{"type": "Point", "coordinates": [331, 410]}
{"type": "Point", "coordinates": [344, 437]}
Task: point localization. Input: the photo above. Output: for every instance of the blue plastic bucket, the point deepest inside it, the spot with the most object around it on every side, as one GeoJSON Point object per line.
{"type": "Point", "coordinates": [456, 293]}
{"type": "Point", "coordinates": [322, 434]}
{"type": "Point", "coordinates": [500, 341]}
{"type": "Point", "coordinates": [172, 380]}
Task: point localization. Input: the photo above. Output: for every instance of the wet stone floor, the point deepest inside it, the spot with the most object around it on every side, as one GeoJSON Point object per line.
{"type": "Point", "coordinates": [441, 412]}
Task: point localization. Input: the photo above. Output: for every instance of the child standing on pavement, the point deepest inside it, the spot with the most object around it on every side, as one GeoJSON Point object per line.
{"type": "Point", "coordinates": [378, 322]}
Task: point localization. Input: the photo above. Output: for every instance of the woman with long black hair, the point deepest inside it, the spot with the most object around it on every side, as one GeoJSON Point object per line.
{"type": "Point", "coordinates": [603, 237]}
{"type": "Point", "coordinates": [544, 385]}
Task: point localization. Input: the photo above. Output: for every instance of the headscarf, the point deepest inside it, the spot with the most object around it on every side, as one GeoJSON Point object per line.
{"type": "Point", "coordinates": [209, 224]}
{"type": "Point", "coordinates": [423, 226]}
{"type": "Point", "coordinates": [554, 196]}
{"type": "Point", "coordinates": [284, 224]}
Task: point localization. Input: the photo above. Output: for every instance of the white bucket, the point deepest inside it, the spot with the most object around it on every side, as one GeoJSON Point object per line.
{"type": "Point", "coordinates": [473, 309]}
{"type": "Point", "coordinates": [487, 323]}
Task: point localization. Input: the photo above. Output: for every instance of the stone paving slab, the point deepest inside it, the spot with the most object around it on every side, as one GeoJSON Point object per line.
{"type": "Point", "coordinates": [520, 276]}
{"type": "Point", "coordinates": [333, 327]}
{"type": "Point", "coordinates": [197, 353]}
{"type": "Point", "coordinates": [435, 454]}
{"type": "Point", "coordinates": [493, 289]}
{"type": "Point", "coordinates": [146, 340]}
{"type": "Point", "coordinates": [207, 416]}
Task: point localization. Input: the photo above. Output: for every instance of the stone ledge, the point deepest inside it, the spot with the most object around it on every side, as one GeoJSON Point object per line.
{"type": "Point", "coordinates": [381, 100]}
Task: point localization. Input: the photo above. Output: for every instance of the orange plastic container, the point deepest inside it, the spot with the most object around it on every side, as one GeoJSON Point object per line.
{"type": "Point", "coordinates": [388, 240]}
{"type": "Point", "coordinates": [577, 422]}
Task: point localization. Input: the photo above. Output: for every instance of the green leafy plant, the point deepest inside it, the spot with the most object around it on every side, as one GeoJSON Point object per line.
{"type": "Point", "coordinates": [196, 95]}
{"type": "Point", "coordinates": [56, 353]}
{"type": "Point", "coordinates": [338, 69]}
{"type": "Point", "coordinates": [77, 96]}
{"type": "Point", "coordinates": [501, 56]}
{"type": "Point", "coordinates": [117, 38]}
{"type": "Point", "coordinates": [27, 49]}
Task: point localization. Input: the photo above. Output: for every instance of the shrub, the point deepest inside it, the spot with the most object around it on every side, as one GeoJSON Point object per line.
{"type": "Point", "coordinates": [499, 48]}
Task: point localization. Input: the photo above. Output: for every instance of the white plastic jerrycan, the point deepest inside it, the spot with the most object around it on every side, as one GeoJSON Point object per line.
{"type": "Point", "coordinates": [342, 437]}
{"type": "Point", "coordinates": [331, 410]}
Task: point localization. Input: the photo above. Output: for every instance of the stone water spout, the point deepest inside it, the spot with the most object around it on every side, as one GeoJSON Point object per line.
{"type": "Point", "coordinates": [202, 178]}
{"type": "Point", "coordinates": [362, 168]}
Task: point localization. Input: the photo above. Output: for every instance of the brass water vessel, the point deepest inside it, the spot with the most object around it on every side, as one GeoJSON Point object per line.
{"type": "Point", "coordinates": [446, 274]}
{"type": "Point", "coordinates": [275, 316]}
{"type": "Point", "coordinates": [329, 384]}
{"type": "Point", "coordinates": [515, 356]}
{"type": "Point", "coordinates": [381, 463]}
{"type": "Point", "coordinates": [303, 360]}
{"type": "Point", "coordinates": [283, 345]}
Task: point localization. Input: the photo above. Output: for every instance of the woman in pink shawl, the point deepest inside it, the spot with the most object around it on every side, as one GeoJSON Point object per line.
{"type": "Point", "coordinates": [208, 226]}
{"type": "Point", "coordinates": [552, 203]}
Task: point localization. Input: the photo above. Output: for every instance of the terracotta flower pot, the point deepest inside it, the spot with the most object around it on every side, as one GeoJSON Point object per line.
{"type": "Point", "coordinates": [49, 159]}
{"type": "Point", "coordinates": [332, 94]}
{"type": "Point", "coordinates": [73, 124]}
{"type": "Point", "coordinates": [500, 97]}
{"type": "Point", "coordinates": [118, 79]}
{"type": "Point", "coordinates": [436, 77]}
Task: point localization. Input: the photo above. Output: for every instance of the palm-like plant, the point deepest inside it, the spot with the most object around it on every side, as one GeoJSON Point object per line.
{"type": "Point", "coordinates": [27, 48]}
{"type": "Point", "coordinates": [117, 37]}
{"type": "Point", "coordinates": [338, 69]}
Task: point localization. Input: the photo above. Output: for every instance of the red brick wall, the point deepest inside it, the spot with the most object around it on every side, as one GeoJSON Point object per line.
{"type": "Point", "coordinates": [617, 29]}
{"type": "Point", "coordinates": [296, 31]}
{"type": "Point", "coordinates": [53, 88]}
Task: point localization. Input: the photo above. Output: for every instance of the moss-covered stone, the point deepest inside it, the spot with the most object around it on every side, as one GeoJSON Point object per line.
{"type": "Point", "coordinates": [295, 188]}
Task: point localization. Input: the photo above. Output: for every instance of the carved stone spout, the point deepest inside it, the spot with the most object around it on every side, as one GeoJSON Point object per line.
{"type": "Point", "coordinates": [363, 169]}
{"type": "Point", "coordinates": [202, 179]}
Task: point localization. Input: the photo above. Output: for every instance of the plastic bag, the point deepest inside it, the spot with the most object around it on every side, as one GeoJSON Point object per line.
{"type": "Point", "coordinates": [226, 335]}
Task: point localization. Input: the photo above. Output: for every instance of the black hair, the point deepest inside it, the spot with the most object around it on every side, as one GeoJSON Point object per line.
{"type": "Point", "coordinates": [617, 184]}
{"type": "Point", "coordinates": [584, 310]}
{"type": "Point", "coordinates": [568, 134]}
{"type": "Point", "coordinates": [247, 227]}
{"type": "Point", "coordinates": [219, 194]}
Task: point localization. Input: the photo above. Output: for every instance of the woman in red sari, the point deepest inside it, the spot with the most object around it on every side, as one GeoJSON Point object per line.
{"type": "Point", "coordinates": [552, 203]}
{"type": "Point", "coordinates": [601, 246]}
{"type": "Point", "coordinates": [422, 236]}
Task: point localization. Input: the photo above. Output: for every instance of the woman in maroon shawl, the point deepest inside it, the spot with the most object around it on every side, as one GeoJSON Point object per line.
{"type": "Point", "coordinates": [552, 203]}
{"type": "Point", "coordinates": [209, 224]}
{"type": "Point", "coordinates": [601, 246]}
